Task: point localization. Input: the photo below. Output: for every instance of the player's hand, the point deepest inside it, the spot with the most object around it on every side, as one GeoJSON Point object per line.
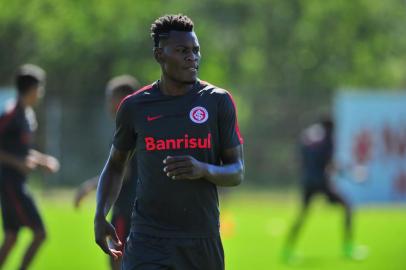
{"type": "Point", "coordinates": [104, 230]}
{"type": "Point", "coordinates": [184, 167]}
{"type": "Point", "coordinates": [51, 164]}
{"type": "Point", "coordinates": [80, 194]}
{"type": "Point", "coordinates": [26, 166]}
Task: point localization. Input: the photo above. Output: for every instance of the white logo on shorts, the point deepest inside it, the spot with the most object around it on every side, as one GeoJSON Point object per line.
{"type": "Point", "coordinates": [199, 115]}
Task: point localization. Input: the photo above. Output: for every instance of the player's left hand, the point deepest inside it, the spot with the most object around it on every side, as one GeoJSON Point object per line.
{"type": "Point", "coordinates": [184, 167]}
{"type": "Point", "coordinates": [51, 164]}
{"type": "Point", "coordinates": [79, 195]}
{"type": "Point", "coordinates": [103, 230]}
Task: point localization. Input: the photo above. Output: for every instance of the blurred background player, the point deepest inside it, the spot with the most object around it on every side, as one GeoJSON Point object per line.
{"type": "Point", "coordinates": [17, 160]}
{"type": "Point", "coordinates": [316, 149]}
{"type": "Point", "coordinates": [117, 89]}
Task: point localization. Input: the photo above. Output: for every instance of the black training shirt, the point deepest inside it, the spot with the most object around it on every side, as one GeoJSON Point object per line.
{"type": "Point", "coordinates": [202, 123]}
{"type": "Point", "coordinates": [16, 132]}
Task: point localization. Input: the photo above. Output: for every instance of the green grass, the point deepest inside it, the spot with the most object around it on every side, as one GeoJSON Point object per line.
{"type": "Point", "coordinates": [258, 223]}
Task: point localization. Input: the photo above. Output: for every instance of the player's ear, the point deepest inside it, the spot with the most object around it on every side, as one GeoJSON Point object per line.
{"type": "Point", "coordinates": [158, 54]}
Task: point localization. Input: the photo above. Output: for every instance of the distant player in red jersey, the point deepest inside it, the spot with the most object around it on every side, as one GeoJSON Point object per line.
{"type": "Point", "coordinates": [316, 151]}
{"type": "Point", "coordinates": [17, 160]}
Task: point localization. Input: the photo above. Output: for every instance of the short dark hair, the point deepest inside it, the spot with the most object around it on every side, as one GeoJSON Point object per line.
{"type": "Point", "coordinates": [29, 76]}
{"type": "Point", "coordinates": [122, 86]}
{"type": "Point", "coordinates": [163, 25]}
{"type": "Point", "coordinates": [327, 122]}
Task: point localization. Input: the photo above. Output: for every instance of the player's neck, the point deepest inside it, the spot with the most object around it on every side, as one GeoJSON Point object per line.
{"type": "Point", "coordinates": [173, 88]}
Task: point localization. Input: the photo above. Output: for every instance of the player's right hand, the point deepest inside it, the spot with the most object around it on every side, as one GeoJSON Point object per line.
{"type": "Point", "coordinates": [51, 164]}
{"type": "Point", "coordinates": [26, 166]}
{"type": "Point", "coordinates": [78, 197]}
{"type": "Point", "coordinates": [104, 230]}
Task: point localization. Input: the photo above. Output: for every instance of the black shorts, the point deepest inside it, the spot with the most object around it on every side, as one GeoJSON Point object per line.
{"type": "Point", "coordinates": [18, 208]}
{"type": "Point", "coordinates": [122, 224]}
{"type": "Point", "coordinates": [332, 195]}
{"type": "Point", "coordinates": [144, 252]}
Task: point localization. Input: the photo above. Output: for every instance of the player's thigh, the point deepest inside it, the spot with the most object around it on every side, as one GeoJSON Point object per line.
{"type": "Point", "coordinates": [213, 249]}
{"type": "Point", "coordinates": [19, 209]}
{"type": "Point", "coordinates": [334, 196]}
{"type": "Point", "coordinates": [29, 210]}
{"type": "Point", "coordinates": [307, 195]}
{"type": "Point", "coordinates": [199, 254]}
{"type": "Point", "coordinates": [32, 212]}
{"type": "Point", "coordinates": [9, 216]}
{"type": "Point", "coordinates": [146, 253]}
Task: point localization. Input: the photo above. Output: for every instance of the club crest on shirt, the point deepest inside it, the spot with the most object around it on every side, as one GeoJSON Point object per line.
{"type": "Point", "coordinates": [199, 115]}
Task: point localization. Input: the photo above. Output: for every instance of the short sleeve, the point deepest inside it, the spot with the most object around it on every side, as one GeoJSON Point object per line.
{"type": "Point", "coordinates": [229, 131]}
{"type": "Point", "coordinates": [5, 120]}
{"type": "Point", "coordinates": [124, 136]}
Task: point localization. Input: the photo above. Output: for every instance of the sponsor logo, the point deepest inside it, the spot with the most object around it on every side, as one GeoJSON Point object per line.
{"type": "Point", "coordinates": [186, 142]}
{"type": "Point", "coordinates": [152, 118]}
{"type": "Point", "coordinates": [199, 115]}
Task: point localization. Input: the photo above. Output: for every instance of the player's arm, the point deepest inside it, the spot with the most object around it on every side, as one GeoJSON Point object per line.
{"type": "Point", "coordinates": [111, 178]}
{"type": "Point", "coordinates": [108, 189]}
{"type": "Point", "coordinates": [22, 165]}
{"type": "Point", "coordinates": [90, 185]}
{"type": "Point", "coordinates": [84, 189]}
{"type": "Point", "coordinates": [230, 173]}
{"type": "Point", "coordinates": [47, 162]}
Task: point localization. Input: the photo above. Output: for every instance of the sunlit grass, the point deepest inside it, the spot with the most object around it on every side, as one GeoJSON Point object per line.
{"type": "Point", "coordinates": [254, 228]}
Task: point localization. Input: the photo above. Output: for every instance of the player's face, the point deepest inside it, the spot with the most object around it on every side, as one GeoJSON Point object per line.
{"type": "Point", "coordinates": [181, 56]}
{"type": "Point", "coordinates": [35, 94]}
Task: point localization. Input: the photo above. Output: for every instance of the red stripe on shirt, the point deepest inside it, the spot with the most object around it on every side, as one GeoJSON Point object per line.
{"type": "Point", "coordinates": [237, 128]}
{"type": "Point", "coordinates": [145, 88]}
{"type": "Point", "coordinates": [7, 118]}
{"type": "Point", "coordinates": [121, 229]}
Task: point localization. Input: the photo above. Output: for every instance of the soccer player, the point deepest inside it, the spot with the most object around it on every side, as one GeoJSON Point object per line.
{"type": "Point", "coordinates": [185, 135]}
{"type": "Point", "coordinates": [17, 160]}
{"type": "Point", "coordinates": [117, 89]}
{"type": "Point", "coordinates": [316, 149]}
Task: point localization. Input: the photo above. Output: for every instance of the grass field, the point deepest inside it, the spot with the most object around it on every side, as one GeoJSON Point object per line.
{"type": "Point", "coordinates": [255, 227]}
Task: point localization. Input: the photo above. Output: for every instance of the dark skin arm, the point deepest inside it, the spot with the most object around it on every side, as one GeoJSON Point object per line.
{"type": "Point", "coordinates": [108, 190]}
{"type": "Point", "coordinates": [23, 165]}
{"type": "Point", "coordinates": [33, 160]}
{"type": "Point", "coordinates": [90, 185]}
{"type": "Point", "coordinates": [230, 173]}
{"type": "Point", "coordinates": [84, 189]}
